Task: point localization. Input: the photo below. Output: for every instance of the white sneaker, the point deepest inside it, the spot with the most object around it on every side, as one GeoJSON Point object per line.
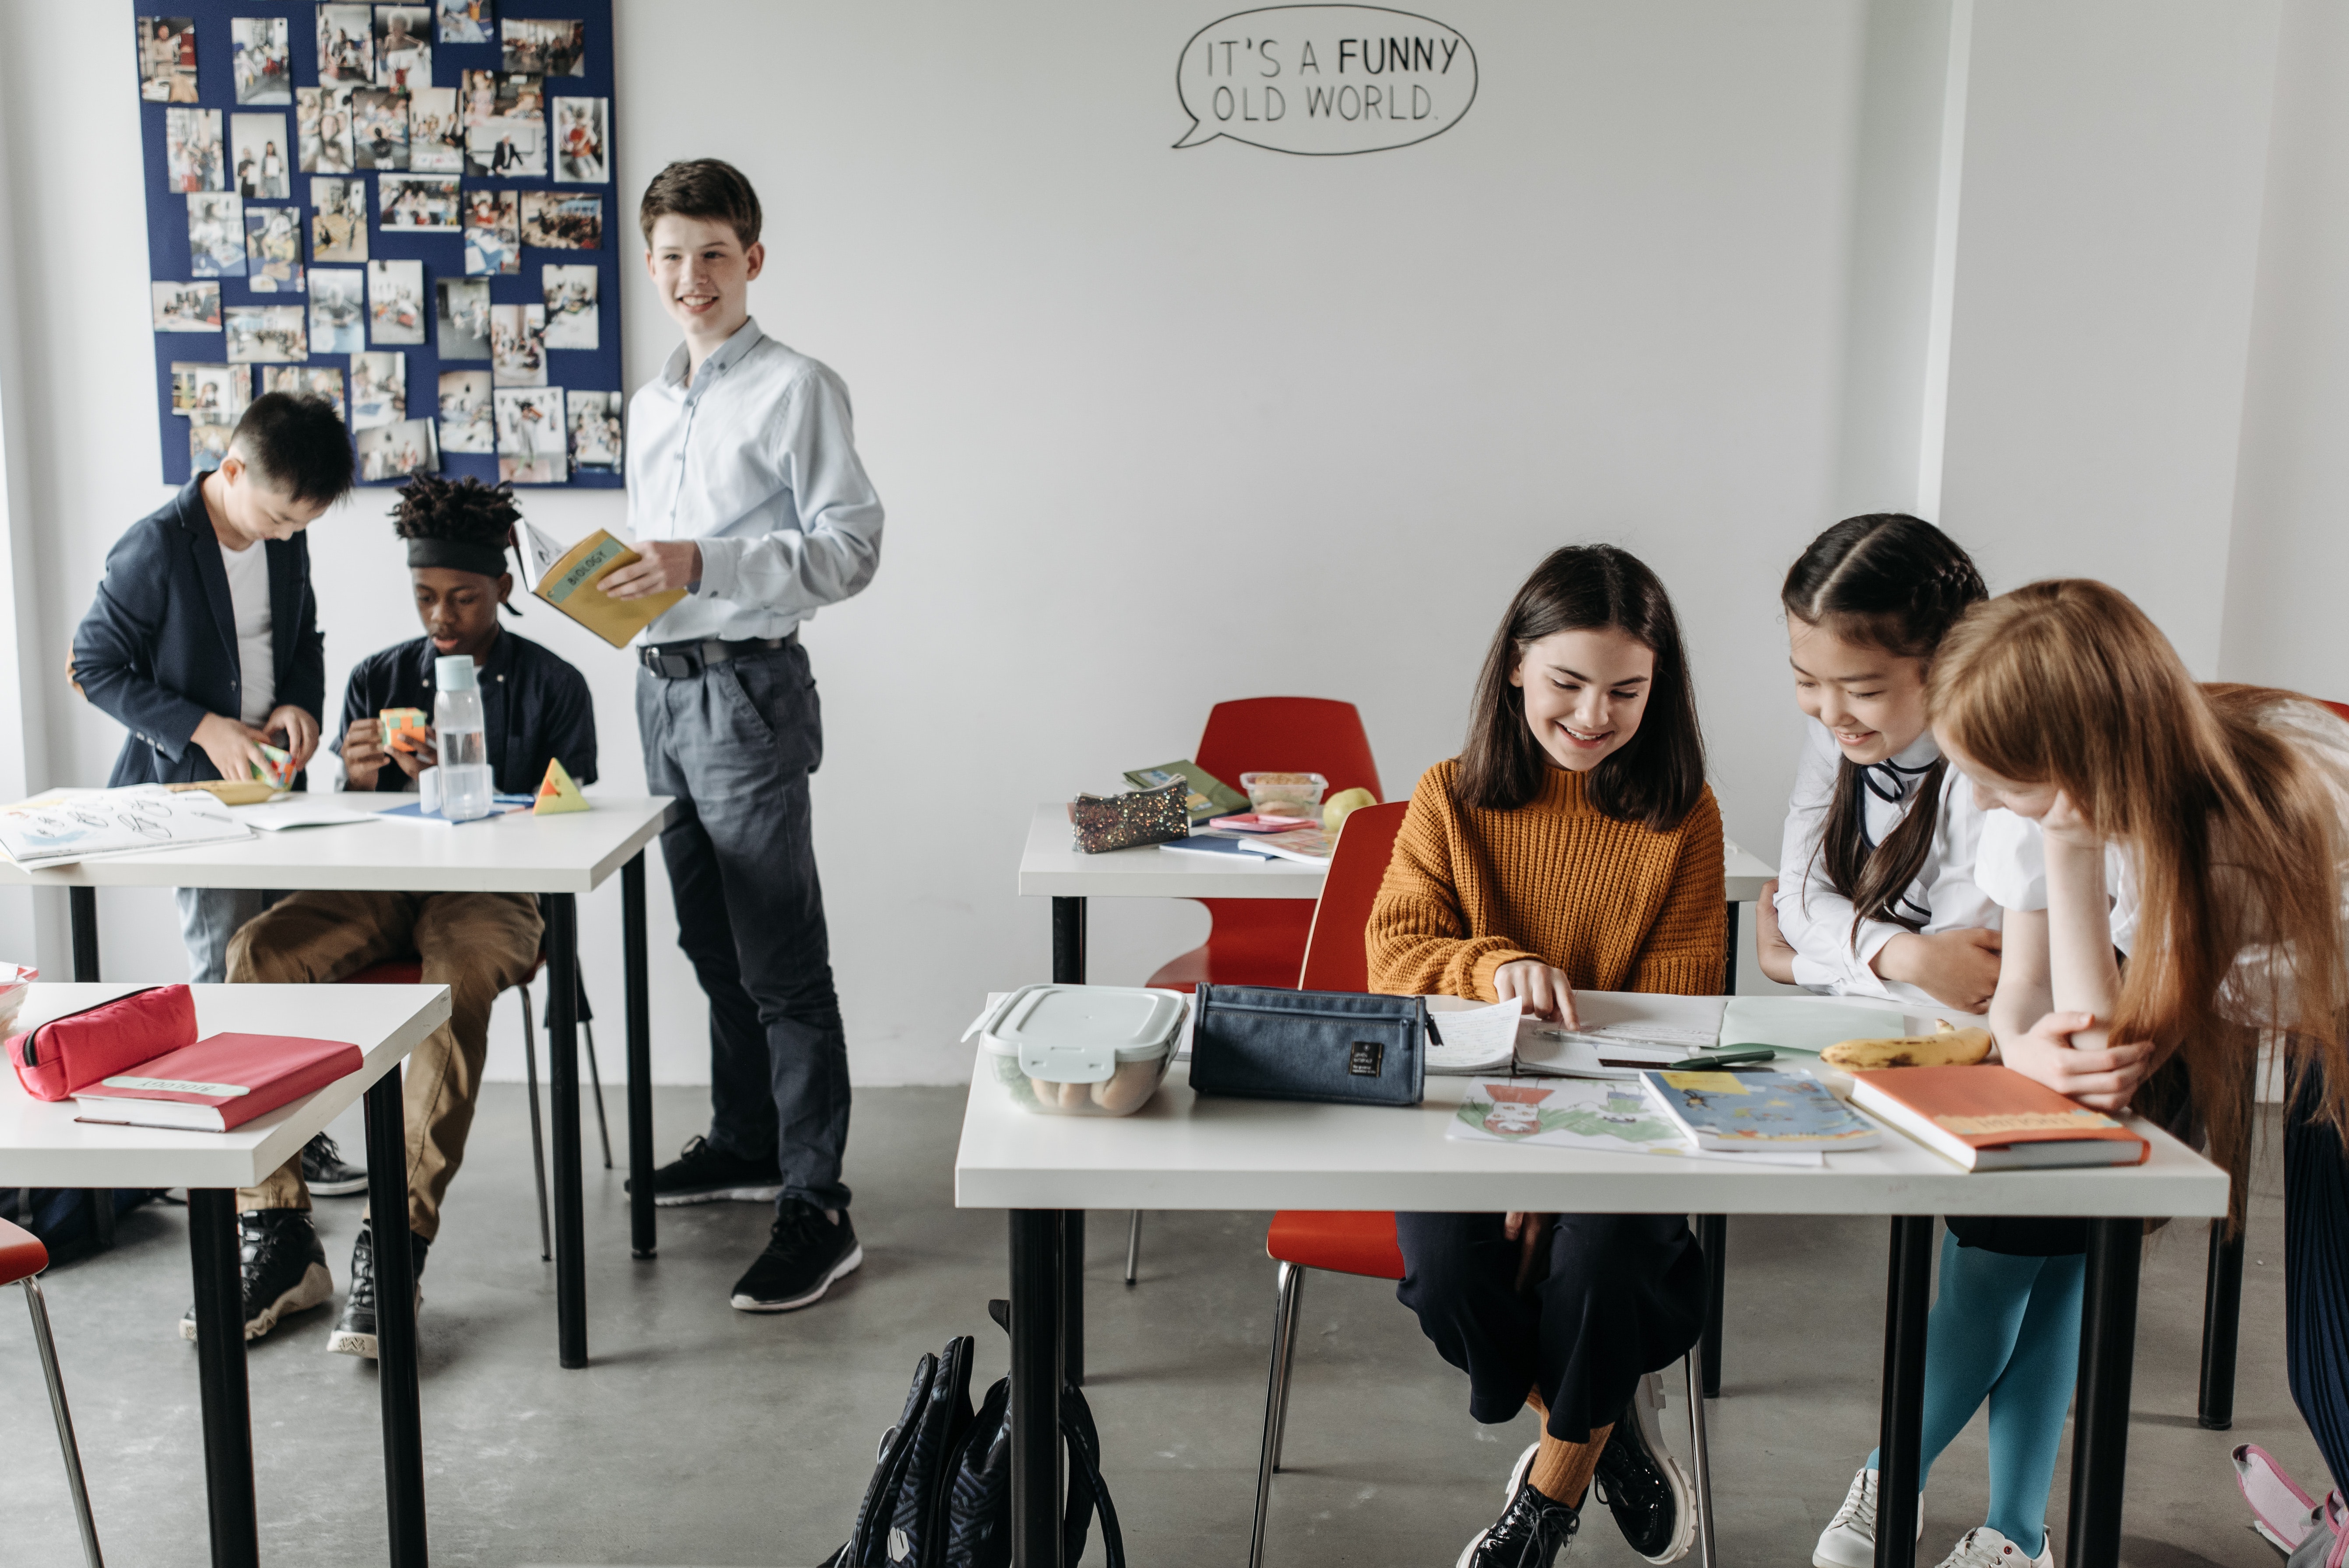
{"type": "Point", "coordinates": [1986, 1548]}
{"type": "Point", "coordinates": [1849, 1539]}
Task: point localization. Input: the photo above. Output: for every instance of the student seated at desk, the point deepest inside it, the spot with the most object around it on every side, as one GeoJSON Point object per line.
{"type": "Point", "coordinates": [1573, 844]}
{"type": "Point", "coordinates": [535, 708]}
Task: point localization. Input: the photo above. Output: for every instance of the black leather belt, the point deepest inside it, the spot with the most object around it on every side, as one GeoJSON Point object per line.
{"type": "Point", "coordinates": [681, 661]}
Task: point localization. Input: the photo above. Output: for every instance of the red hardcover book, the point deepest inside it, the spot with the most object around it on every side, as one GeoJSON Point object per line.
{"type": "Point", "coordinates": [220, 1082]}
{"type": "Point", "coordinates": [1994, 1119]}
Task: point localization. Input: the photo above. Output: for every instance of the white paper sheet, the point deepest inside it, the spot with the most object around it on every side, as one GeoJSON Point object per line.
{"type": "Point", "coordinates": [1476, 1039]}
{"type": "Point", "coordinates": [279, 815]}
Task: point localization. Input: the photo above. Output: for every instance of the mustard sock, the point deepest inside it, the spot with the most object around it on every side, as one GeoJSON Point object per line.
{"type": "Point", "coordinates": [1561, 1471]}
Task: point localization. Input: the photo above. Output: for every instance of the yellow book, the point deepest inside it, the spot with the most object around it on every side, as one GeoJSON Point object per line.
{"type": "Point", "coordinates": [567, 579]}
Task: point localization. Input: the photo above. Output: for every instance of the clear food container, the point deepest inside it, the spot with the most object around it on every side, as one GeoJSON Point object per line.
{"type": "Point", "coordinates": [1081, 1050]}
{"type": "Point", "coordinates": [14, 980]}
{"type": "Point", "coordinates": [1286, 794]}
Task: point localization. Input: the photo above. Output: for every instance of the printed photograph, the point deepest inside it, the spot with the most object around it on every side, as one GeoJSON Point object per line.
{"type": "Point", "coordinates": [167, 60]}
{"type": "Point", "coordinates": [506, 148]}
{"type": "Point", "coordinates": [545, 48]}
{"type": "Point", "coordinates": [466, 22]}
{"type": "Point", "coordinates": [395, 302]}
{"type": "Point", "coordinates": [378, 390]}
{"type": "Point", "coordinates": [216, 235]}
{"type": "Point", "coordinates": [264, 71]}
{"type": "Point", "coordinates": [337, 310]}
{"type": "Point", "coordinates": [264, 172]}
{"type": "Point", "coordinates": [305, 381]}
{"type": "Point", "coordinates": [436, 141]}
{"type": "Point", "coordinates": [379, 127]}
{"type": "Point", "coordinates": [266, 334]}
{"type": "Point", "coordinates": [421, 203]}
{"type": "Point", "coordinates": [188, 308]}
{"type": "Point", "coordinates": [570, 293]}
{"type": "Point", "coordinates": [322, 131]}
{"type": "Point", "coordinates": [598, 432]}
{"type": "Point", "coordinates": [207, 444]}
{"type": "Point", "coordinates": [558, 223]}
{"type": "Point", "coordinates": [339, 221]}
{"type": "Point", "coordinates": [391, 452]}
{"type": "Point", "coordinates": [492, 234]}
{"type": "Point", "coordinates": [273, 250]}
{"type": "Point", "coordinates": [193, 158]}
{"type": "Point", "coordinates": [582, 137]}
{"type": "Point", "coordinates": [531, 435]}
{"type": "Point", "coordinates": [468, 422]}
{"type": "Point", "coordinates": [502, 94]}
{"type": "Point", "coordinates": [212, 392]}
{"type": "Point", "coordinates": [517, 345]}
{"type": "Point", "coordinates": [346, 45]}
{"type": "Point", "coordinates": [403, 46]}
{"type": "Point", "coordinates": [464, 320]}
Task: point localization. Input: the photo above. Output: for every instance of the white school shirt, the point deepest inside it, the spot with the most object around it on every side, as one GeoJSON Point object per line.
{"type": "Point", "coordinates": [248, 596]}
{"type": "Point", "coordinates": [1817, 920]}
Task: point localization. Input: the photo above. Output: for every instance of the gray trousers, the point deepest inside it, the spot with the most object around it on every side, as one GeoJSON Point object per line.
{"type": "Point", "coordinates": [209, 916]}
{"type": "Point", "coordinates": [735, 746]}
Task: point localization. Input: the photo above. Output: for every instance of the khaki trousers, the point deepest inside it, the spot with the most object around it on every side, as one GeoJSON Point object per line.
{"type": "Point", "coordinates": [476, 944]}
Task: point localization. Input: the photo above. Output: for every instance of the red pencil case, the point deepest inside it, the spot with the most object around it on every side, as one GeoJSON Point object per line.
{"type": "Point", "coordinates": [66, 1054]}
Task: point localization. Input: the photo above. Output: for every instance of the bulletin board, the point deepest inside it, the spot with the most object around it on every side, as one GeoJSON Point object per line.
{"type": "Point", "coordinates": [426, 236]}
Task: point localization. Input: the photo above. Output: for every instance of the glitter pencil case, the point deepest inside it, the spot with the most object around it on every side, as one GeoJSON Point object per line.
{"type": "Point", "coordinates": [1105, 822]}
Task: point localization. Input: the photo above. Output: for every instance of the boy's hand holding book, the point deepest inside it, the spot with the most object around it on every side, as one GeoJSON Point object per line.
{"type": "Point", "coordinates": [662, 565]}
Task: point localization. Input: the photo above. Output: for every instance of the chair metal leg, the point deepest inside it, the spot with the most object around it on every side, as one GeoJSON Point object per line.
{"type": "Point", "coordinates": [41, 1337]}
{"type": "Point", "coordinates": [1700, 1452]}
{"type": "Point", "coordinates": [1132, 1246]}
{"type": "Point", "coordinates": [537, 1140]}
{"type": "Point", "coordinates": [1275, 1400]}
{"type": "Point", "coordinates": [1288, 1363]}
{"type": "Point", "coordinates": [596, 1080]}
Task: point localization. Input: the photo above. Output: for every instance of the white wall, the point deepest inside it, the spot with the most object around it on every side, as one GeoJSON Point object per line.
{"type": "Point", "coordinates": [1621, 300]}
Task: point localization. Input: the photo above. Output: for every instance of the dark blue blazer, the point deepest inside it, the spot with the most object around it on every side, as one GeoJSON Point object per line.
{"type": "Point", "coordinates": [157, 649]}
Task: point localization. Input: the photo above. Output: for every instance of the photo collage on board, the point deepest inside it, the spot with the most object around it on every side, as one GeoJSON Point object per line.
{"type": "Point", "coordinates": [345, 198]}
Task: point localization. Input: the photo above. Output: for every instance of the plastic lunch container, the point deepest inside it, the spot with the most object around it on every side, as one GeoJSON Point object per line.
{"type": "Point", "coordinates": [13, 978]}
{"type": "Point", "coordinates": [1081, 1050]}
{"type": "Point", "coordinates": [1284, 794]}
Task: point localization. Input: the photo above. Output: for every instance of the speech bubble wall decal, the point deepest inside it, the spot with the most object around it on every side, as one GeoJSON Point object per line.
{"type": "Point", "coordinates": [1324, 80]}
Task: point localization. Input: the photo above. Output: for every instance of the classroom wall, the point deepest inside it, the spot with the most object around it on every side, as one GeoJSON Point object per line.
{"type": "Point", "coordinates": [1156, 427]}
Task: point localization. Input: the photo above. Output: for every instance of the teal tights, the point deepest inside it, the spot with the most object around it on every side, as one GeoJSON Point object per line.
{"type": "Point", "coordinates": [2006, 1329]}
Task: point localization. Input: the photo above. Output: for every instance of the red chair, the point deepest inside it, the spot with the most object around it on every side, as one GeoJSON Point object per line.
{"type": "Point", "coordinates": [22, 1257]}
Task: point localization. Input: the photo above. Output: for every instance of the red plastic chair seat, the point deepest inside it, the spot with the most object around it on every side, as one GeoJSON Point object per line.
{"type": "Point", "coordinates": [1341, 1241]}
{"type": "Point", "coordinates": [21, 1253]}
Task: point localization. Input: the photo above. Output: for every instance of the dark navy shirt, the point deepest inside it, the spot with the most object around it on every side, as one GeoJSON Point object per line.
{"type": "Point", "coordinates": [534, 707]}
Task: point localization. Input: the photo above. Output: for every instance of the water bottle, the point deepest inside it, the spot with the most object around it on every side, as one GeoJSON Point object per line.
{"type": "Point", "coordinates": [464, 752]}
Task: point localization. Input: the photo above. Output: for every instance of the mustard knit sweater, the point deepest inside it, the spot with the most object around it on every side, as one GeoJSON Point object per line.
{"type": "Point", "coordinates": [1617, 906]}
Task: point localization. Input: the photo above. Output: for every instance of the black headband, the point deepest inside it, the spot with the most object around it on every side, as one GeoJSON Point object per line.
{"type": "Point", "coordinates": [458, 555]}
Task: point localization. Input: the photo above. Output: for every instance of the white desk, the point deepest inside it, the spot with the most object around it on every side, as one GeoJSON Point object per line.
{"type": "Point", "coordinates": [42, 1145]}
{"type": "Point", "coordinates": [556, 857]}
{"type": "Point", "coordinates": [1183, 1151]}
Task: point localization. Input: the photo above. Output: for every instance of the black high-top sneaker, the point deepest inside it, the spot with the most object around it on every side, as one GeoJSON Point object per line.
{"type": "Point", "coordinates": [324, 1172]}
{"type": "Point", "coordinates": [283, 1268]}
{"type": "Point", "coordinates": [354, 1332]}
{"type": "Point", "coordinates": [1530, 1533]}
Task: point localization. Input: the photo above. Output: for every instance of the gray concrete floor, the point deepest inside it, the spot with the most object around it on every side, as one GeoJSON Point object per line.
{"type": "Point", "coordinates": [704, 1435]}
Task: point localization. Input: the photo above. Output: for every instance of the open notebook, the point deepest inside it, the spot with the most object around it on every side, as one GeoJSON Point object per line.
{"type": "Point", "coordinates": [1623, 1033]}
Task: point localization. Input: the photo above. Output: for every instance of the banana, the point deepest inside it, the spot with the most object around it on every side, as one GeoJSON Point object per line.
{"type": "Point", "coordinates": [1948, 1048]}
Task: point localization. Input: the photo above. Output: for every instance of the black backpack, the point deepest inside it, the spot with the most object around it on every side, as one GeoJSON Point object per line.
{"type": "Point", "coordinates": [941, 1490]}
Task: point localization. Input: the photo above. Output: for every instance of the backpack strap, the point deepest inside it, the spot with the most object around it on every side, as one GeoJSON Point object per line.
{"type": "Point", "coordinates": [1087, 1490]}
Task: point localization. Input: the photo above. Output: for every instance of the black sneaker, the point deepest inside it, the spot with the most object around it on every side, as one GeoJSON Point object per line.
{"type": "Point", "coordinates": [1530, 1533]}
{"type": "Point", "coordinates": [284, 1266]}
{"type": "Point", "coordinates": [1642, 1485]}
{"type": "Point", "coordinates": [354, 1332]}
{"type": "Point", "coordinates": [806, 1252]}
{"type": "Point", "coordinates": [700, 1174]}
{"type": "Point", "coordinates": [324, 1172]}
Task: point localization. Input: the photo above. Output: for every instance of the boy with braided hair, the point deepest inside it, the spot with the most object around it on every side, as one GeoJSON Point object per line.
{"type": "Point", "coordinates": [535, 708]}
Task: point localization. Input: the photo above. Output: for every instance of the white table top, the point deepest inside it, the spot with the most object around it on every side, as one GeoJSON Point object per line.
{"type": "Point", "coordinates": [572, 852]}
{"type": "Point", "coordinates": [1051, 865]}
{"type": "Point", "coordinates": [41, 1144]}
{"type": "Point", "coordinates": [1182, 1151]}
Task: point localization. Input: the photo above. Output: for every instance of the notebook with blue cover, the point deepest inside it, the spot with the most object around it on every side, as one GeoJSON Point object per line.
{"type": "Point", "coordinates": [1722, 1110]}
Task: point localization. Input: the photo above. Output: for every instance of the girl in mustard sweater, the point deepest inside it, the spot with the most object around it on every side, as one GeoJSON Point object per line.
{"type": "Point", "coordinates": [1572, 844]}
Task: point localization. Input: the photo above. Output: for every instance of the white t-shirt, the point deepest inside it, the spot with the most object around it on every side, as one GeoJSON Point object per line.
{"type": "Point", "coordinates": [2012, 867]}
{"type": "Point", "coordinates": [248, 595]}
{"type": "Point", "coordinates": [1816, 921]}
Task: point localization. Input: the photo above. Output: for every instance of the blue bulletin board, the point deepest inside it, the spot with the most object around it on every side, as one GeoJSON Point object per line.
{"type": "Point", "coordinates": [428, 235]}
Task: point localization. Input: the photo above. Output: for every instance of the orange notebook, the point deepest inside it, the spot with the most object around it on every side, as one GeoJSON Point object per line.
{"type": "Point", "coordinates": [1994, 1118]}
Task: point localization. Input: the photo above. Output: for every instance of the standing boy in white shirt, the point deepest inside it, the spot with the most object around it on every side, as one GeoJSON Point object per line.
{"type": "Point", "coordinates": [744, 489]}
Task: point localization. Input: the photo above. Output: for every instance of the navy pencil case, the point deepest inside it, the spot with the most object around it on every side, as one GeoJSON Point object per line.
{"type": "Point", "coordinates": [1348, 1047]}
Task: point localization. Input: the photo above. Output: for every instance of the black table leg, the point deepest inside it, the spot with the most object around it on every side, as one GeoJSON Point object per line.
{"type": "Point", "coordinates": [1713, 1236]}
{"type": "Point", "coordinates": [643, 1239]}
{"type": "Point", "coordinates": [1068, 942]}
{"type": "Point", "coordinates": [2222, 1310]}
{"type": "Point", "coordinates": [1037, 1244]}
{"type": "Point", "coordinates": [1068, 969]}
{"type": "Point", "coordinates": [82, 903]}
{"type": "Point", "coordinates": [395, 1309]}
{"type": "Point", "coordinates": [1900, 1439]}
{"type": "Point", "coordinates": [562, 1069]}
{"type": "Point", "coordinates": [2101, 1406]}
{"type": "Point", "coordinates": [219, 1376]}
